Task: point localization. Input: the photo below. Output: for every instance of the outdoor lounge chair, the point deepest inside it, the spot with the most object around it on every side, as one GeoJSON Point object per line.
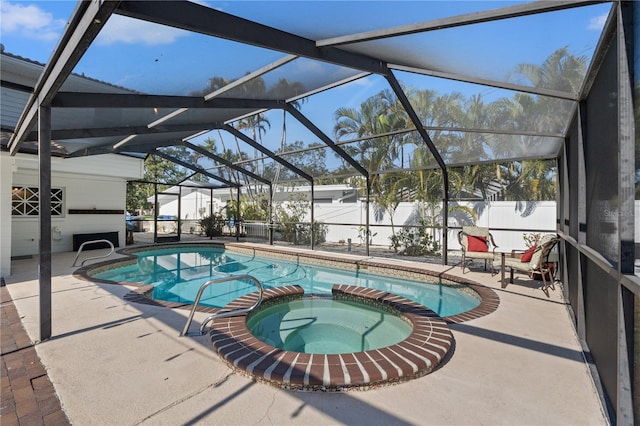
{"type": "Point", "coordinates": [477, 243]}
{"type": "Point", "coordinates": [537, 263]}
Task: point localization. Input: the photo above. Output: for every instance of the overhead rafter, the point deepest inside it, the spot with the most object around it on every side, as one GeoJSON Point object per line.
{"type": "Point", "coordinates": [98, 132]}
{"type": "Point", "coordinates": [195, 168]}
{"type": "Point", "coordinates": [137, 148]}
{"type": "Point", "coordinates": [265, 151]}
{"type": "Point", "coordinates": [226, 162]}
{"type": "Point", "coordinates": [63, 134]}
{"type": "Point", "coordinates": [327, 140]}
{"type": "Point", "coordinates": [134, 100]}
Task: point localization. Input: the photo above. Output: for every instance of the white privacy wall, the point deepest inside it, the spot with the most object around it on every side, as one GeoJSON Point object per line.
{"type": "Point", "coordinates": [536, 217]}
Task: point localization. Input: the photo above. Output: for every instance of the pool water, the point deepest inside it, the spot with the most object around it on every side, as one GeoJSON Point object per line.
{"type": "Point", "coordinates": [327, 326]}
{"type": "Point", "coordinates": [177, 273]}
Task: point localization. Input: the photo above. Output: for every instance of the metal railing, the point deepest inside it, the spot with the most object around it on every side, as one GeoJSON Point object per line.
{"type": "Point", "coordinates": [95, 257]}
{"type": "Point", "coordinates": [210, 318]}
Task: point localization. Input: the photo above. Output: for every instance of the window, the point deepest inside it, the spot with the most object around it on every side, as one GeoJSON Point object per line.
{"type": "Point", "coordinates": [25, 201]}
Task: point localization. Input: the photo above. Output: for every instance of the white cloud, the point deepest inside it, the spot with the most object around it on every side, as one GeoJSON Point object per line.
{"type": "Point", "coordinates": [29, 21]}
{"type": "Point", "coordinates": [597, 23]}
{"type": "Point", "coordinates": [121, 29]}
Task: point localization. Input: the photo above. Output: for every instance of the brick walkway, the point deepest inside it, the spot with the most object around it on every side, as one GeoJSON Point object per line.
{"type": "Point", "coordinates": [28, 396]}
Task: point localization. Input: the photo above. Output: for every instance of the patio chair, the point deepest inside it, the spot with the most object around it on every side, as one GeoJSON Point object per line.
{"type": "Point", "coordinates": [534, 261]}
{"type": "Point", "coordinates": [477, 243]}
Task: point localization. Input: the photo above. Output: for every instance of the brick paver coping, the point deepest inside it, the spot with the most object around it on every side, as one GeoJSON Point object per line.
{"type": "Point", "coordinates": [28, 397]}
{"type": "Point", "coordinates": [417, 355]}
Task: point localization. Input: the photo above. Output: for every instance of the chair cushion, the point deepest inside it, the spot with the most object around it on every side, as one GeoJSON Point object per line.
{"type": "Point", "coordinates": [515, 263]}
{"type": "Point", "coordinates": [477, 243]}
{"type": "Point", "coordinates": [527, 255]}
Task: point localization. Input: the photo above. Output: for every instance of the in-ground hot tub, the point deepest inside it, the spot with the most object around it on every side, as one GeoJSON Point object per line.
{"type": "Point", "coordinates": [424, 347]}
{"type": "Point", "coordinates": [323, 325]}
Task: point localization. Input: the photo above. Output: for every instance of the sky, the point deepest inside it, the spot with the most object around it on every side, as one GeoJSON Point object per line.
{"type": "Point", "coordinates": [162, 60]}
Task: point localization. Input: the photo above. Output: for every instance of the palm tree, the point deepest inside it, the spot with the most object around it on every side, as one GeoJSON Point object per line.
{"type": "Point", "coordinates": [380, 114]}
{"type": "Point", "coordinates": [560, 71]}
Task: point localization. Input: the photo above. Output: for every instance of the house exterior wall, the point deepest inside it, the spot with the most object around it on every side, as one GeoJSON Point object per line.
{"type": "Point", "coordinates": [5, 213]}
{"type": "Point", "coordinates": [97, 182]}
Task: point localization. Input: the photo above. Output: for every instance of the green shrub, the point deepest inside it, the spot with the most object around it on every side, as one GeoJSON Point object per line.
{"type": "Point", "coordinates": [212, 225]}
{"type": "Point", "coordinates": [300, 233]}
{"type": "Point", "coordinates": [415, 241]}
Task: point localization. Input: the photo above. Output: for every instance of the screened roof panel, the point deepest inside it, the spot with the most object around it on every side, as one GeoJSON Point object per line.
{"type": "Point", "coordinates": [458, 105]}
{"type": "Point", "coordinates": [363, 117]}
{"type": "Point", "coordinates": [202, 117]}
{"type": "Point", "coordinates": [79, 144]}
{"type": "Point", "coordinates": [167, 61]}
{"type": "Point", "coordinates": [459, 148]}
{"type": "Point", "coordinates": [97, 118]}
{"type": "Point", "coordinates": [292, 80]}
{"type": "Point", "coordinates": [348, 17]}
{"type": "Point", "coordinates": [11, 105]}
{"type": "Point", "coordinates": [494, 50]}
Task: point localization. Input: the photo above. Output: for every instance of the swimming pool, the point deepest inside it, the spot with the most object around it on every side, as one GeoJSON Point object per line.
{"type": "Point", "coordinates": [177, 272]}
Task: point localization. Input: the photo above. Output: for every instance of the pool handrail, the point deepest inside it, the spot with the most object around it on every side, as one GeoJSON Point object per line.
{"type": "Point", "coordinates": [210, 318]}
{"type": "Point", "coordinates": [95, 257]}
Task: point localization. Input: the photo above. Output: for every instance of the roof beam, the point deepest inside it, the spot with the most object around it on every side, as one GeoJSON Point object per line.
{"type": "Point", "coordinates": [140, 148]}
{"type": "Point", "coordinates": [194, 17]}
{"type": "Point", "coordinates": [134, 100]}
{"type": "Point", "coordinates": [326, 139]}
{"type": "Point", "coordinates": [457, 21]}
{"type": "Point", "coordinates": [86, 22]}
{"type": "Point", "coordinates": [194, 168]}
{"type": "Point", "coordinates": [226, 162]}
{"type": "Point", "coordinates": [265, 151]}
{"type": "Point", "coordinates": [63, 134]}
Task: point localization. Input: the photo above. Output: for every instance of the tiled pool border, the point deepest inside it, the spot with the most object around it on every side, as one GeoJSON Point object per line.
{"type": "Point", "coordinates": [489, 300]}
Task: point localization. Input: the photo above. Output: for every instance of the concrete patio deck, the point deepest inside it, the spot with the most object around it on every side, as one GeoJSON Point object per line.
{"type": "Point", "coordinates": [115, 362]}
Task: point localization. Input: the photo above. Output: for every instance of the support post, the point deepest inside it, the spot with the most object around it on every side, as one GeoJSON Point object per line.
{"type": "Point", "coordinates": [445, 216]}
{"type": "Point", "coordinates": [626, 223]}
{"type": "Point", "coordinates": [155, 212]}
{"type": "Point", "coordinates": [312, 217]}
{"type": "Point", "coordinates": [367, 231]}
{"type": "Point", "coordinates": [44, 271]}
{"type": "Point", "coordinates": [179, 210]}
{"type": "Point", "coordinates": [238, 214]}
{"type": "Point", "coordinates": [270, 214]}
{"type": "Point", "coordinates": [210, 207]}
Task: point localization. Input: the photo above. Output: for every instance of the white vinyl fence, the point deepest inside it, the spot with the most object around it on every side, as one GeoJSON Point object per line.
{"type": "Point", "coordinates": [508, 220]}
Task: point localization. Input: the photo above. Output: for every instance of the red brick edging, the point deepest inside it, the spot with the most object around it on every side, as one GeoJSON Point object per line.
{"type": "Point", "coordinates": [417, 355]}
